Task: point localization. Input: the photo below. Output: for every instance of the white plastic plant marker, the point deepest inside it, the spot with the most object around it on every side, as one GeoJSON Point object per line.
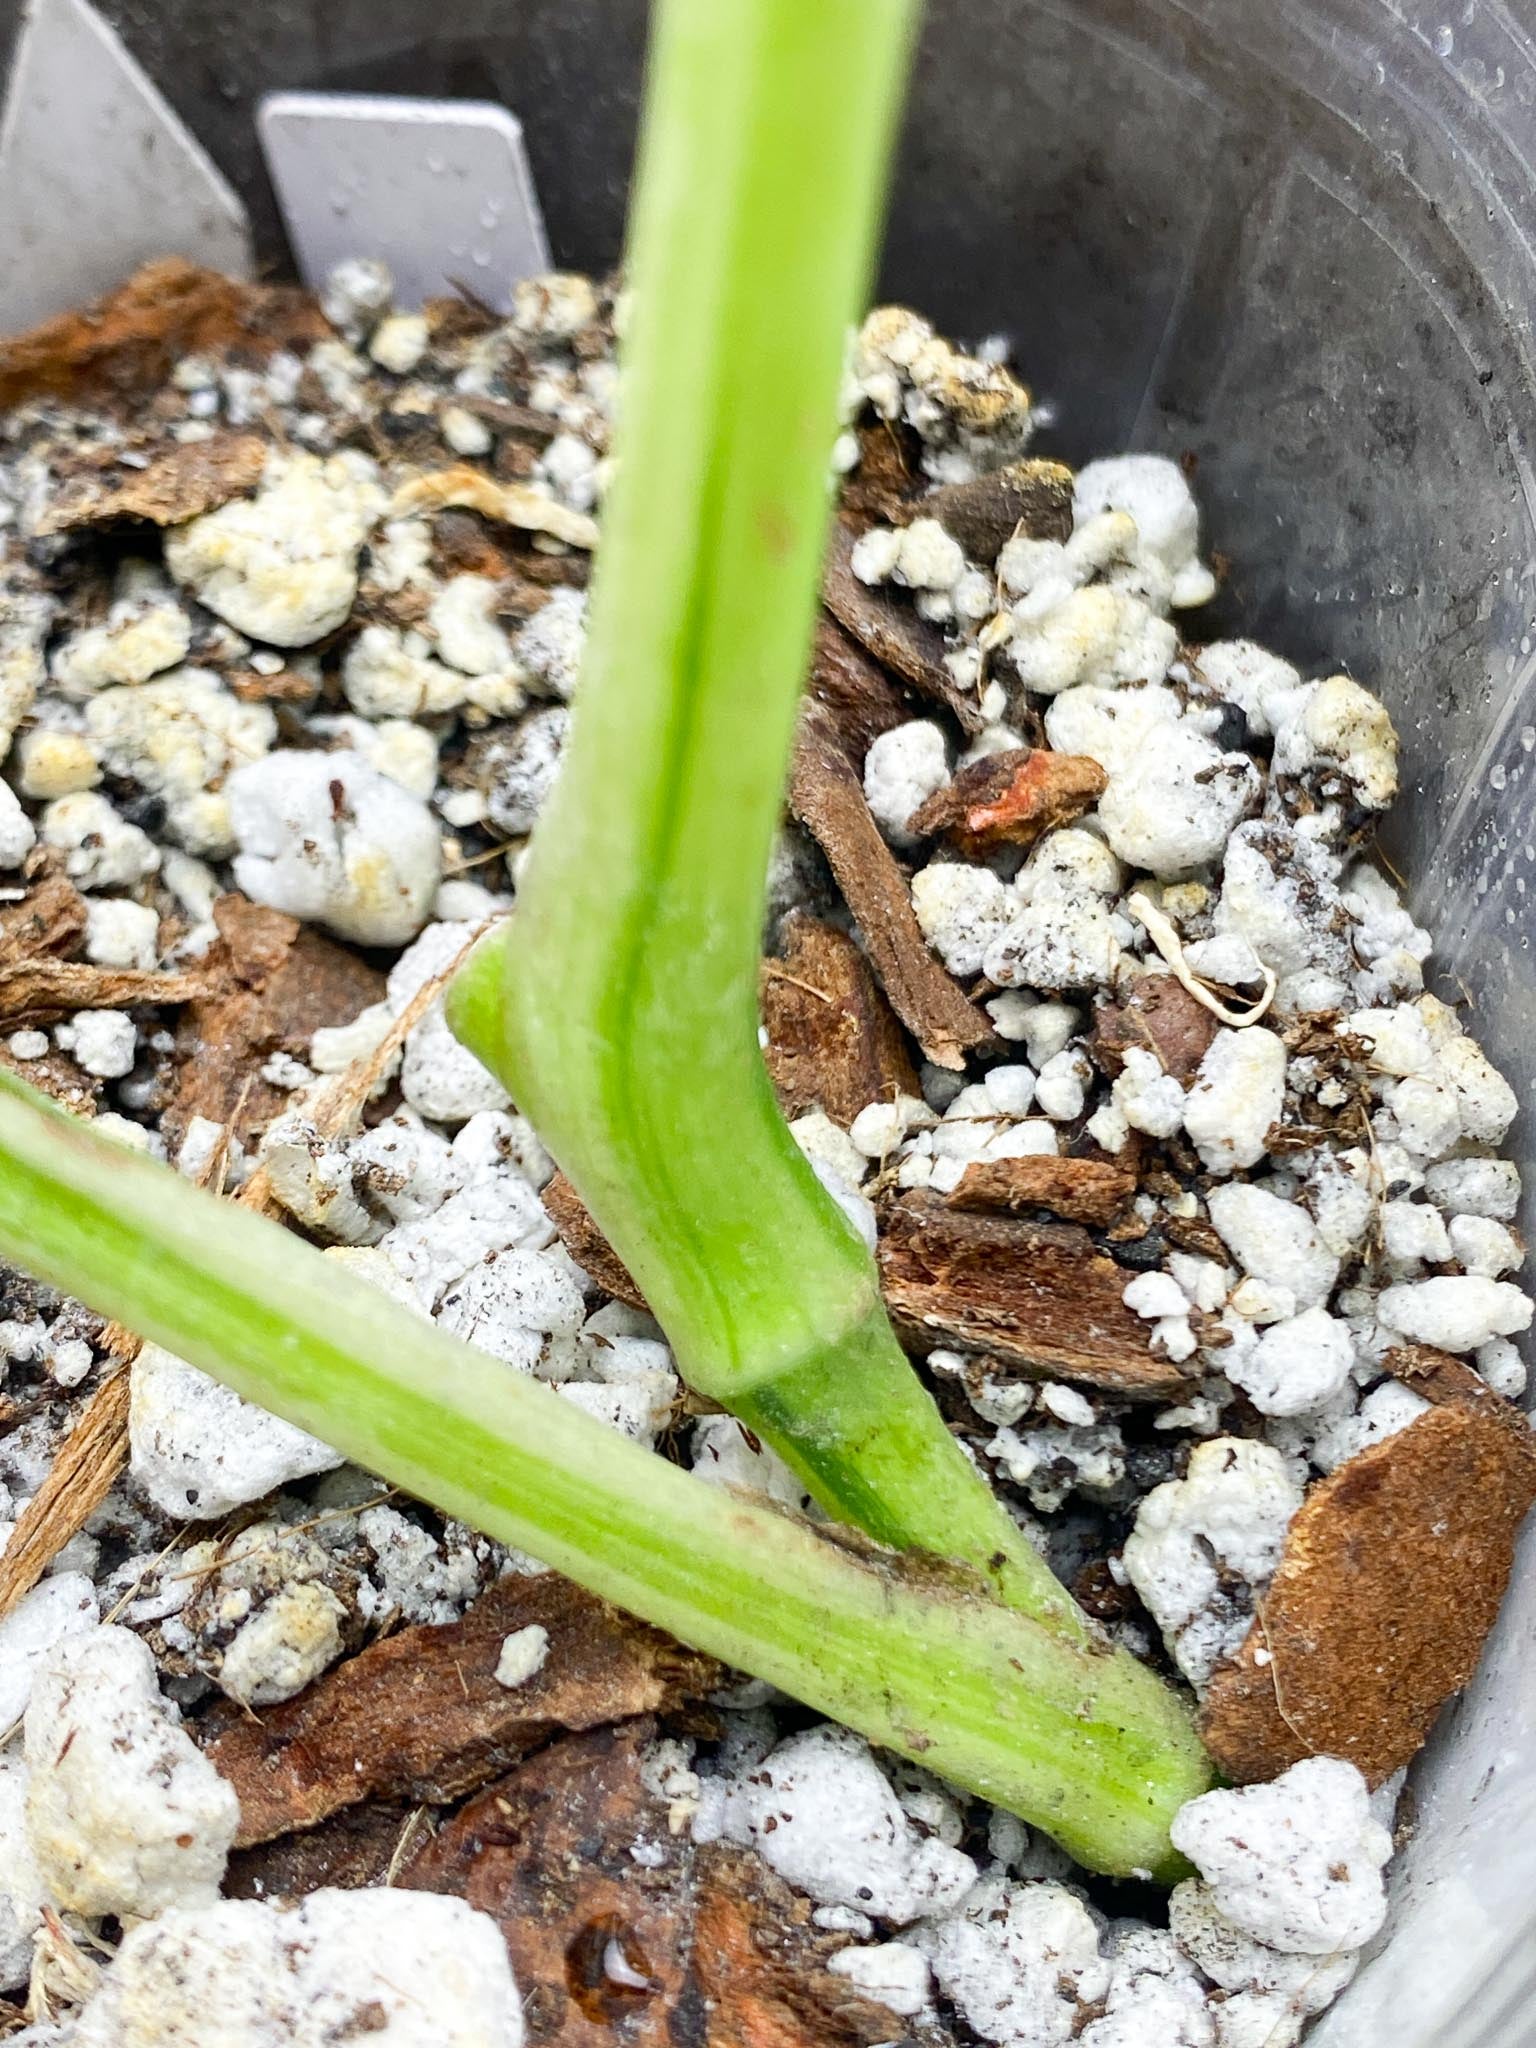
{"type": "Point", "coordinates": [97, 172]}
{"type": "Point", "coordinates": [439, 189]}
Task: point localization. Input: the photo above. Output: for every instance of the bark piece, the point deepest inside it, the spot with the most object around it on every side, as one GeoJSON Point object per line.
{"type": "Point", "coordinates": [546, 1852]}
{"type": "Point", "coordinates": [1193, 1234]}
{"type": "Point", "coordinates": [703, 1948]}
{"type": "Point", "coordinates": [179, 482]}
{"type": "Point", "coordinates": [833, 1040]}
{"type": "Point", "coordinates": [124, 346]}
{"type": "Point", "coordinates": [1444, 1379]}
{"type": "Point", "coordinates": [272, 984]}
{"type": "Point", "coordinates": [1036, 1297]}
{"type": "Point", "coordinates": [421, 1715]}
{"type": "Point", "coordinates": [587, 1244]}
{"type": "Point", "coordinates": [38, 991]}
{"type": "Point", "coordinates": [350, 1850]}
{"type": "Point", "coordinates": [889, 629]}
{"type": "Point", "coordinates": [826, 795]}
{"type": "Point", "coordinates": [1392, 1574]}
{"type": "Point", "coordinates": [1011, 799]}
{"type": "Point", "coordinates": [985, 514]}
{"type": "Point", "coordinates": [1081, 1190]}
{"type": "Point", "coordinates": [1160, 1014]}
{"type": "Point", "coordinates": [761, 1966]}
{"type": "Point", "coordinates": [78, 1481]}
{"type": "Point", "coordinates": [57, 1076]}
{"type": "Point", "coordinates": [879, 489]}
{"type": "Point", "coordinates": [49, 920]}
{"type": "Point", "coordinates": [861, 697]}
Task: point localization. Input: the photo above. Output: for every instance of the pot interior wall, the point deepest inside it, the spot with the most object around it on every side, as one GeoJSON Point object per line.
{"type": "Point", "coordinates": [1285, 241]}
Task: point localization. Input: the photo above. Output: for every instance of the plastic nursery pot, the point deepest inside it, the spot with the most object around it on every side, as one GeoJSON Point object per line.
{"type": "Point", "coordinates": [1284, 241]}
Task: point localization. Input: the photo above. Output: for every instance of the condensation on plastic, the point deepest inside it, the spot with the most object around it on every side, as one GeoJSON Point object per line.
{"type": "Point", "coordinates": [1292, 242]}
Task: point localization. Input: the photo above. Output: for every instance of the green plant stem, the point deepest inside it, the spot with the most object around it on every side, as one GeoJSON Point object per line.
{"type": "Point", "coordinates": [913, 1656]}
{"type": "Point", "coordinates": [619, 1005]}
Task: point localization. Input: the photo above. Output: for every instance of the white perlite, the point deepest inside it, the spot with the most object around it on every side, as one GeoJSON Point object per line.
{"type": "Point", "coordinates": [1019, 1961]}
{"type": "Point", "coordinates": [1457, 1312]}
{"type": "Point", "coordinates": [1226, 1519]}
{"type": "Point", "coordinates": [1274, 1241]}
{"type": "Point", "coordinates": [901, 770]}
{"type": "Point", "coordinates": [398, 1969]}
{"type": "Point", "coordinates": [1296, 1367]}
{"type": "Point", "coordinates": [523, 1656]}
{"type": "Point", "coordinates": [1235, 1097]}
{"type": "Point", "coordinates": [199, 1451]}
{"type": "Point", "coordinates": [329, 839]}
{"type": "Point", "coordinates": [56, 1609]}
{"type": "Point", "coordinates": [282, 566]}
{"type": "Point", "coordinates": [22, 1892]}
{"type": "Point", "coordinates": [1295, 1864]}
{"type": "Point", "coordinates": [125, 1813]}
{"type": "Point", "coordinates": [821, 1812]}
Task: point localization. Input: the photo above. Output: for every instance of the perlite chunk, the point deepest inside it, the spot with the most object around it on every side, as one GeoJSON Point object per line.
{"type": "Point", "coordinates": [282, 566]}
{"type": "Point", "coordinates": [1205, 1546]}
{"type": "Point", "coordinates": [327, 838]}
{"type": "Point", "coordinates": [125, 1813]}
{"type": "Point", "coordinates": [393, 1969]}
{"type": "Point", "coordinates": [1295, 1864]}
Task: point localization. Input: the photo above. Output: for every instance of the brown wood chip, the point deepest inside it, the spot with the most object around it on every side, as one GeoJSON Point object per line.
{"type": "Point", "coordinates": [351, 1849]}
{"type": "Point", "coordinates": [1160, 1014]}
{"type": "Point", "coordinates": [1391, 1577]}
{"type": "Point", "coordinates": [833, 1041]}
{"type": "Point", "coordinates": [1011, 799]}
{"type": "Point", "coordinates": [587, 1244]}
{"type": "Point", "coordinates": [826, 795]}
{"type": "Point", "coordinates": [1081, 1190]}
{"type": "Point", "coordinates": [178, 482]}
{"type": "Point", "coordinates": [40, 990]}
{"type": "Point", "coordinates": [271, 984]}
{"type": "Point", "coordinates": [889, 628]}
{"type": "Point", "coordinates": [1444, 1379]}
{"type": "Point", "coordinates": [692, 1948]}
{"type": "Point", "coordinates": [546, 1852]}
{"type": "Point", "coordinates": [422, 1716]}
{"type": "Point", "coordinates": [1036, 1297]}
{"type": "Point", "coordinates": [761, 1966]}
{"type": "Point", "coordinates": [50, 919]}
{"type": "Point", "coordinates": [861, 697]}
{"type": "Point", "coordinates": [124, 346]}
{"type": "Point", "coordinates": [984, 515]}
{"type": "Point", "coordinates": [77, 1482]}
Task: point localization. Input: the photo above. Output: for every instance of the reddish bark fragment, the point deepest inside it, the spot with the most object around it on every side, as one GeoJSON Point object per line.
{"type": "Point", "coordinates": [546, 1853]}
{"type": "Point", "coordinates": [888, 628]}
{"type": "Point", "coordinates": [123, 347]}
{"type": "Point", "coordinates": [271, 984]}
{"type": "Point", "coordinates": [826, 795]}
{"type": "Point", "coordinates": [178, 482]}
{"type": "Point", "coordinates": [586, 1243]}
{"type": "Point", "coordinates": [1081, 1190]}
{"type": "Point", "coordinates": [422, 1715]}
{"type": "Point", "coordinates": [1011, 799]}
{"type": "Point", "coordinates": [833, 1041]}
{"type": "Point", "coordinates": [983, 515]}
{"type": "Point", "coordinates": [1160, 1014]}
{"type": "Point", "coordinates": [49, 920]}
{"type": "Point", "coordinates": [1392, 1574]}
{"type": "Point", "coordinates": [1036, 1297]}
{"type": "Point", "coordinates": [861, 697]}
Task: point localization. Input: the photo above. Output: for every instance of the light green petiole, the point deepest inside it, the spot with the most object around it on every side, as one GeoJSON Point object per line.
{"type": "Point", "coordinates": [619, 1004]}
{"type": "Point", "coordinates": [913, 1656]}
